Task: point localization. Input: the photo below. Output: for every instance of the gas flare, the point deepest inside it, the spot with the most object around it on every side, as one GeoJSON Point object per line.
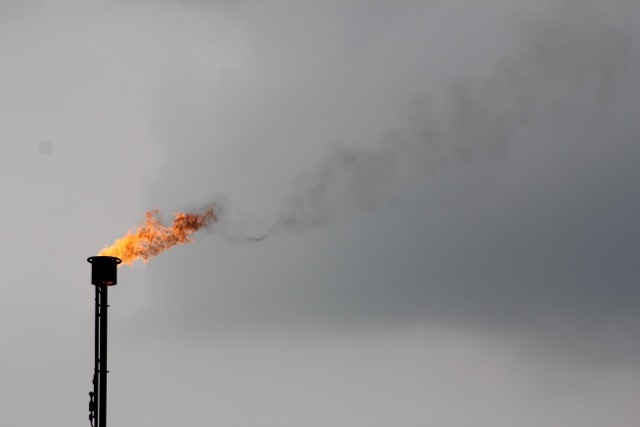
{"type": "Point", "coordinates": [153, 238]}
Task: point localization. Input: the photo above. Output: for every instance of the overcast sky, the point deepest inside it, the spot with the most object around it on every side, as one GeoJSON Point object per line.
{"type": "Point", "coordinates": [450, 189]}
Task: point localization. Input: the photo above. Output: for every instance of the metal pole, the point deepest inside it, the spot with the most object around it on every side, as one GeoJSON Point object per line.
{"type": "Point", "coordinates": [103, 275]}
{"type": "Point", "coordinates": [96, 369]}
{"type": "Point", "coordinates": [102, 402]}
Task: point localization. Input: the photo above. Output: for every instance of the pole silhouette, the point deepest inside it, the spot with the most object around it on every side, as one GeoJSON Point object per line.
{"type": "Point", "coordinates": [103, 275]}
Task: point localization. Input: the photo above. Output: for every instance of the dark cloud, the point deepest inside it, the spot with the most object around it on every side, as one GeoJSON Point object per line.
{"type": "Point", "coordinates": [545, 109]}
{"type": "Point", "coordinates": [568, 72]}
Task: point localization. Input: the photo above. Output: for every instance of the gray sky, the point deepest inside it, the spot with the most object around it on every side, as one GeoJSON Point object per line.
{"type": "Point", "coordinates": [453, 185]}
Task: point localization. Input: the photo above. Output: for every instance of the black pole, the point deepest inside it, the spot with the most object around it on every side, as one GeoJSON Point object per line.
{"type": "Point", "coordinates": [94, 408]}
{"type": "Point", "coordinates": [102, 401]}
{"type": "Point", "coordinates": [103, 275]}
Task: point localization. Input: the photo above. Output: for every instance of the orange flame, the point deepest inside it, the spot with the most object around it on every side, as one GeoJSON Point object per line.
{"type": "Point", "coordinates": [153, 238]}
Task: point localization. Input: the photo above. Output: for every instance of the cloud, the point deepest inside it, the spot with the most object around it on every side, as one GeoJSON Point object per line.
{"type": "Point", "coordinates": [490, 198]}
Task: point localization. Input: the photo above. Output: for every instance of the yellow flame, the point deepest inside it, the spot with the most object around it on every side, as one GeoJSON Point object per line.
{"type": "Point", "coordinates": [153, 238]}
